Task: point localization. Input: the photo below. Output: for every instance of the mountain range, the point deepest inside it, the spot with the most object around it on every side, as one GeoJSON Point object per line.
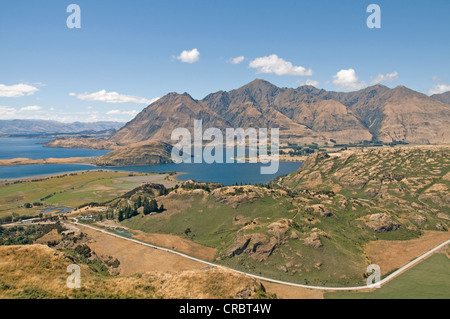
{"type": "Point", "coordinates": [28, 127]}
{"type": "Point", "coordinates": [304, 115]}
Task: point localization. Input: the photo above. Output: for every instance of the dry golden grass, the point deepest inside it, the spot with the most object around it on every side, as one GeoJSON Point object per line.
{"type": "Point", "coordinates": [37, 271]}
{"type": "Point", "coordinates": [179, 244]}
{"type": "Point", "coordinates": [393, 254]}
{"type": "Point", "coordinates": [49, 237]}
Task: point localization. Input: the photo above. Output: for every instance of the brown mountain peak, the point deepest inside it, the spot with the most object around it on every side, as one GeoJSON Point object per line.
{"type": "Point", "coordinates": [304, 115]}
{"type": "Point", "coordinates": [258, 84]}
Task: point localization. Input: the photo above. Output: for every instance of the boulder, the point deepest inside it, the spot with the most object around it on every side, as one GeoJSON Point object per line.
{"type": "Point", "coordinates": [381, 222]}
{"type": "Point", "coordinates": [319, 209]}
{"type": "Point", "coordinates": [313, 240]}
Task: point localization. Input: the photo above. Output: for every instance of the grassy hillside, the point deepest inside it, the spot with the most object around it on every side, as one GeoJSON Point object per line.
{"type": "Point", "coordinates": [408, 185]}
{"type": "Point", "coordinates": [265, 226]}
{"type": "Point", "coordinates": [428, 280]}
{"type": "Point", "coordinates": [39, 272]}
{"type": "Point", "coordinates": [312, 226]}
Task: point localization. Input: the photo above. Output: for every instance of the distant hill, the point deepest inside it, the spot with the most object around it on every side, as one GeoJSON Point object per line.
{"type": "Point", "coordinates": [53, 127]}
{"type": "Point", "coordinates": [137, 154]}
{"type": "Point", "coordinates": [444, 97]}
{"type": "Point", "coordinates": [304, 115]}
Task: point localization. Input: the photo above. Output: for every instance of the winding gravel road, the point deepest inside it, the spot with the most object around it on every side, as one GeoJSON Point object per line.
{"type": "Point", "coordinates": [375, 285]}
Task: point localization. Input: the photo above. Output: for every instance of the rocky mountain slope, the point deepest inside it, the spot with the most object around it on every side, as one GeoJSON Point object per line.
{"type": "Point", "coordinates": [444, 97]}
{"type": "Point", "coordinates": [398, 114]}
{"type": "Point", "coordinates": [304, 115]}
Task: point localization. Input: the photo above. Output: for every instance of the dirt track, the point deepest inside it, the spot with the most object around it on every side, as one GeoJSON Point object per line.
{"type": "Point", "coordinates": [135, 258]}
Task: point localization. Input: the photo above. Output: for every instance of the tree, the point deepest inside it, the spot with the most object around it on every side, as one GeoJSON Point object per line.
{"type": "Point", "coordinates": [147, 209]}
{"type": "Point", "coordinates": [120, 215]}
{"type": "Point", "coordinates": [84, 251]}
{"type": "Point", "coordinates": [128, 212]}
{"type": "Point", "coordinates": [161, 208]}
{"type": "Point", "coordinates": [139, 201]}
{"type": "Point", "coordinates": [153, 205]}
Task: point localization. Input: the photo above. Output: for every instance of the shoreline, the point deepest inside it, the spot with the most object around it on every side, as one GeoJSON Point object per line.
{"type": "Point", "coordinates": [85, 161]}
{"type": "Point", "coordinates": [98, 169]}
{"type": "Point", "coordinates": [28, 161]}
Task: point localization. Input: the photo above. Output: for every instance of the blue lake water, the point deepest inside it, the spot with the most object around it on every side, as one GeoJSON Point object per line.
{"type": "Point", "coordinates": [34, 149]}
{"type": "Point", "coordinates": [123, 233]}
{"type": "Point", "coordinates": [226, 174]}
{"type": "Point", "coordinates": [58, 210]}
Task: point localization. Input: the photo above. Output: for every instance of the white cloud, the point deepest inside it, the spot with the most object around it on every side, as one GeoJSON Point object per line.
{"type": "Point", "coordinates": [17, 90]}
{"type": "Point", "coordinates": [348, 80]}
{"type": "Point", "coordinates": [72, 94]}
{"type": "Point", "coordinates": [7, 112]}
{"type": "Point", "coordinates": [390, 77]}
{"type": "Point", "coordinates": [237, 60]}
{"type": "Point", "coordinates": [119, 112]}
{"type": "Point", "coordinates": [309, 82]}
{"type": "Point", "coordinates": [275, 64]}
{"type": "Point", "coordinates": [31, 108]}
{"type": "Point", "coordinates": [154, 100]}
{"type": "Point", "coordinates": [189, 56]}
{"type": "Point", "coordinates": [26, 112]}
{"type": "Point", "coordinates": [113, 97]}
{"type": "Point", "coordinates": [439, 89]}
{"type": "Point", "coordinates": [39, 113]}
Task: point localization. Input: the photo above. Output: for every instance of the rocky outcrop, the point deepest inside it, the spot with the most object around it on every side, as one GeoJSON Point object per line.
{"type": "Point", "coordinates": [259, 246]}
{"type": "Point", "coordinates": [320, 210]}
{"type": "Point", "coordinates": [236, 196]}
{"type": "Point", "coordinates": [381, 222]}
{"type": "Point", "coordinates": [313, 240]}
{"type": "Point", "coordinates": [239, 246]}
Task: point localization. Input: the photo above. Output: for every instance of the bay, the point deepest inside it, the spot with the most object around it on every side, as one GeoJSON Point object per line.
{"type": "Point", "coordinates": [226, 174]}
{"type": "Point", "coordinates": [18, 147]}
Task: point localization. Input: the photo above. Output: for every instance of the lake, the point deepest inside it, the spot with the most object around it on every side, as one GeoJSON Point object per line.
{"type": "Point", "coordinates": [34, 149]}
{"type": "Point", "coordinates": [226, 174]}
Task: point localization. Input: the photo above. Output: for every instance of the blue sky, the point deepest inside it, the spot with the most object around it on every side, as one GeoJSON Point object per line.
{"type": "Point", "coordinates": [128, 53]}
